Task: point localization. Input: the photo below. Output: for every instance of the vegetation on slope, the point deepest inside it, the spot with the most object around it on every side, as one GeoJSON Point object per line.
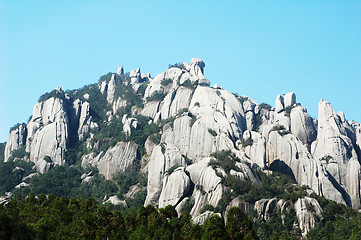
{"type": "Point", "coordinates": [63, 218]}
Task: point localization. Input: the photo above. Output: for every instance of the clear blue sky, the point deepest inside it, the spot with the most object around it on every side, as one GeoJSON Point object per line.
{"type": "Point", "coordinates": [255, 48]}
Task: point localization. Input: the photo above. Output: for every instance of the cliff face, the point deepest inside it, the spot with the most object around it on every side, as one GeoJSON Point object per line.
{"type": "Point", "coordinates": [112, 118]}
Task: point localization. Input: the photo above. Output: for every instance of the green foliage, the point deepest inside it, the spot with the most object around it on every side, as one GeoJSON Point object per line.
{"type": "Point", "coordinates": [200, 188]}
{"type": "Point", "coordinates": [16, 126]}
{"type": "Point", "coordinates": [166, 82]}
{"type": "Point", "coordinates": [171, 169]}
{"type": "Point", "coordinates": [265, 106]}
{"type": "Point", "coordinates": [280, 129]}
{"type": "Point", "coordinates": [187, 160]}
{"type": "Point", "coordinates": [156, 96]}
{"type": "Point", "coordinates": [155, 138]}
{"type": "Point", "coordinates": [223, 202]}
{"type": "Point", "coordinates": [339, 221]}
{"type": "Point", "coordinates": [246, 142]}
{"type": "Point", "coordinates": [241, 99]}
{"type": "Point", "coordinates": [98, 102]}
{"type": "Point", "coordinates": [188, 84]}
{"type": "Point", "coordinates": [127, 179]}
{"type": "Point", "coordinates": [196, 104]}
{"type": "Point", "coordinates": [288, 110]}
{"type": "Point", "coordinates": [18, 153]}
{"type": "Point", "coordinates": [326, 158]}
{"type": "Point", "coordinates": [212, 132]}
{"type": "Point", "coordinates": [278, 227]}
{"type": "Point", "coordinates": [257, 121]}
{"type": "Point", "coordinates": [48, 159]}
{"type": "Point", "coordinates": [11, 174]}
{"type": "Point", "coordinates": [224, 159]}
{"type": "Point", "coordinates": [188, 205]}
{"type": "Point", "coordinates": [178, 65]}
{"type": "Point", "coordinates": [2, 151]}
{"type": "Point", "coordinates": [55, 94]}
{"type": "Point", "coordinates": [214, 229]}
{"type": "Point", "coordinates": [238, 226]}
{"type": "Point", "coordinates": [205, 208]}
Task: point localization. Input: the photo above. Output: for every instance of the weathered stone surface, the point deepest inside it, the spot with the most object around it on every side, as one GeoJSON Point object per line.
{"type": "Point", "coordinates": [116, 201]}
{"type": "Point", "coordinates": [201, 219]}
{"type": "Point", "coordinates": [256, 152]}
{"type": "Point", "coordinates": [161, 160]}
{"type": "Point", "coordinates": [111, 89]}
{"type": "Point", "coordinates": [175, 187]}
{"type": "Point", "coordinates": [288, 155]}
{"type": "Point", "coordinates": [246, 207]}
{"type": "Point", "coordinates": [289, 99]}
{"type": "Point", "coordinates": [120, 70]}
{"type": "Point", "coordinates": [48, 134]}
{"type": "Point", "coordinates": [203, 175]}
{"type": "Point", "coordinates": [17, 139]}
{"type": "Point", "coordinates": [306, 210]}
{"type": "Point", "coordinates": [265, 207]}
{"type": "Point", "coordinates": [85, 121]}
{"type": "Point", "coordinates": [333, 143]}
{"type": "Point", "coordinates": [302, 125]}
{"type": "Point", "coordinates": [117, 159]}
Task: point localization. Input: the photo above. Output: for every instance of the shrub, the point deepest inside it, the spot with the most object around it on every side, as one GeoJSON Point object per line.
{"type": "Point", "coordinates": [48, 159]}
{"type": "Point", "coordinates": [196, 104]}
{"type": "Point", "coordinates": [280, 129]}
{"type": "Point", "coordinates": [246, 142]}
{"type": "Point", "coordinates": [265, 106]}
{"type": "Point", "coordinates": [188, 205]}
{"type": "Point", "coordinates": [178, 65]}
{"type": "Point", "coordinates": [288, 110]}
{"type": "Point", "coordinates": [241, 99]}
{"type": "Point", "coordinates": [166, 82]}
{"type": "Point", "coordinates": [188, 84]}
{"type": "Point", "coordinates": [200, 188]}
{"type": "Point", "coordinates": [156, 96]}
{"type": "Point", "coordinates": [54, 94]}
{"type": "Point", "coordinates": [155, 138]}
{"type": "Point", "coordinates": [212, 132]}
{"type": "Point", "coordinates": [205, 208]}
{"type": "Point", "coordinates": [171, 169]}
{"type": "Point", "coordinates": [327, 158]}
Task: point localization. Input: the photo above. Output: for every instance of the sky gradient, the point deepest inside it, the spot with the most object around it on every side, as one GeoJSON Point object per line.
{"type": "Point", "coordinates": [255, 48]}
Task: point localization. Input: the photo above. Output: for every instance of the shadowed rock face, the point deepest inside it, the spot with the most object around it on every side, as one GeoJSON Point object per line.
{"type": "Point", "coordinates": [323, 154]}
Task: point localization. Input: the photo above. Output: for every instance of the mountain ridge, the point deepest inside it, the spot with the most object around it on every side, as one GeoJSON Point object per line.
{"type": "Point", "coordinates": [169, 128]}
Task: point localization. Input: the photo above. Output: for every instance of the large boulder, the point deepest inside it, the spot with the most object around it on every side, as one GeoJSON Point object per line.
{"type": "Point", "coordinates": [48, 134]}
{"type": "Point", "coordinates": [17, 139]}
{"type": "Point", "coordinates": [307, 210]}
{"type": "Point", "coordinates": [333, 144]}
{"type": "Point", "coordinates": [288, 155]}
{"type": "Point", "coordinates": [175, 186]}
{"type": "Point", "coordinates": [117, 159]}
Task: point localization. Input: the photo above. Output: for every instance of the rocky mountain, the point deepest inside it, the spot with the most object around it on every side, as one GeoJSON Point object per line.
{"type": "Point", "coordinates": [193, 142]}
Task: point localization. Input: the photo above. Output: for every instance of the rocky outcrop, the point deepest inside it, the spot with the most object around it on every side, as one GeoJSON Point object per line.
{"type": "Point", "coordinates": [307, 210]}
{"type": "Point", "coordinates": [333, 144]}
{"type": "Point", "coordinates": [116, 201]}
{"type": "Point", "coordinates": [202, 218]}
{"type": "Point", "coordinates": [175, 187]}
{"type": "Point", "coordinates": [162, 159]}
{"type": "Point", "coordinates": [288, 155]}
{"type": "Point", "coordinates": [128, 124]}
{"type": "Point", "coordinates": [85, 121]}
{"type": "Point", "coordinates": [208, 187]}
{"type": "Point", "coordinates": [16, 140]}
{"type": "Point", "coordinates": [117, 159]}
{"type": "Point", "coordinates": [265, 207]}
{"type": "Point", "coordinates": [48, 134]}
{"type": "Point", "coordinates": [111, 90]}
